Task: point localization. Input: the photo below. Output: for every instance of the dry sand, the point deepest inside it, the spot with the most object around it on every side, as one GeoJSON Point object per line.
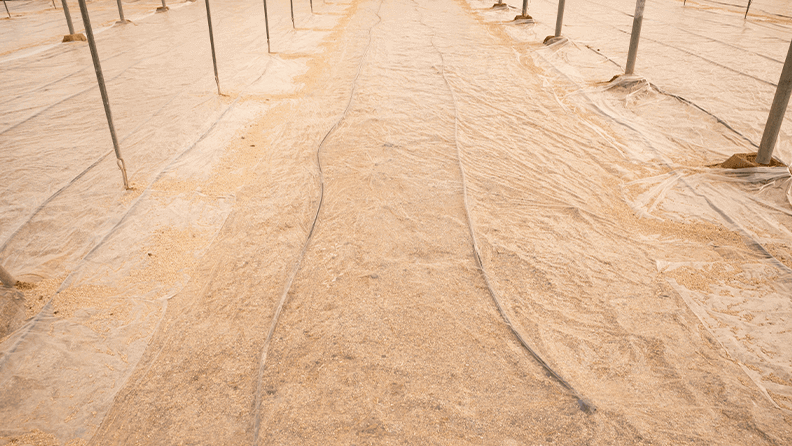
{"type": "Point", "coordinates": [389, 334]}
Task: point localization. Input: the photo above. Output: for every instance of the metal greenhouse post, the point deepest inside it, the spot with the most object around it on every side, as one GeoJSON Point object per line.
{"type": "Point", "coordinates": [560, 18]}
{"type": "Point", "coordinates": [266, 25]}
{"type": "Point", "coordinates": [68, 17]}
{"type": "Point", "coordinates": [777, 111]}
{"type": "Point", "coordinates": [102, 88]}
{"type": "Point", "coordinates": [524, 15]}
{"type": "Point", "coordinates": [635, 36]}
{"type": "Point", "coordinates": [72, 36]}
{"type": "Point", "coordinates": [121, 13]}
{"type": "Point", "coordinates": [211, 41]}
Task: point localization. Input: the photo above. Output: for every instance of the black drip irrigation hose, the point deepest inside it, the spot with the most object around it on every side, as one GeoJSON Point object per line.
{"type": "Point", "coordinates": [298, 263]}
{"type": "Point", "coordinates": [583, 403]}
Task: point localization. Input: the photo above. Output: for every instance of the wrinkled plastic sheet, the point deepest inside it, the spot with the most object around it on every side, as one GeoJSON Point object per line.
{"type": "Point", "coordinates": [657, 147]}
{"type": "Point", "coordinates": [118, 256]}
{"type": "Point", "coordinates": [705, 82]}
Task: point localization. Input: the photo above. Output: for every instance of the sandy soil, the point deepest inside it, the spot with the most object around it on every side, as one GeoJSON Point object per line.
{"type": "Point", "coordinates": [415, 129]}
{"type": "Point", "coordinates": [389, 333]}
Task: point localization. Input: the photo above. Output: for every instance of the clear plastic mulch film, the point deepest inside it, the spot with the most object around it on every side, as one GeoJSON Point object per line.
{"type": "Point", "coordinates": [68, 226]}
{"type": "Point", "coordinates": [594, 206]}
{"type": "Point", "coordinates": [706, 79]}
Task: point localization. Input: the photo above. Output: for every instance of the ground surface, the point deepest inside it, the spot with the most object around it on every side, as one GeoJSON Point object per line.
{"type": "Point", "coordinates": [354, 264]}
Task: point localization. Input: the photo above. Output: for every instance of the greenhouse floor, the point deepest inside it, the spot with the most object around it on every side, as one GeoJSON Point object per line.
{"type": "Point", "coordinates": [410, 223]}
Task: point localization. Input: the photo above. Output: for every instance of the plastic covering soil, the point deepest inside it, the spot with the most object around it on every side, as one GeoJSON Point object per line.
{"type": "Point", "coordinates": [349, 245]}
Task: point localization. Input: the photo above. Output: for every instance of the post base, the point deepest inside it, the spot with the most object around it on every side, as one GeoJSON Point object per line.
{"type": "Point", "coordinates": [123, 22]}
{"type": "Point", "coordinates": [77, 37]}
{"type": "Point", "coordinates": [746, 161]}
{"type": "Point", "coordinates": [552, 40]}
{"type": "Point", "coordinates": [163, 9]}
{"type": "Point", "coordinates": [626, 81]}
{"type": "Point", "coordinates": [524, 18]}
{"type": "Point", "coordinates": [500, 6]}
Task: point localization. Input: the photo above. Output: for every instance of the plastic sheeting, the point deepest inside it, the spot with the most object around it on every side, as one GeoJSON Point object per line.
{"type": "Point", "coordinates": [117, 256]}
{"type": "Point", "coordinates": [640, 274]}
{"type": "Point", "coordinates": [693, 107]}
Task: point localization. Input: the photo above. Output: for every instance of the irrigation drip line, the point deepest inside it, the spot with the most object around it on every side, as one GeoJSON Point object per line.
{"type": "Point", "coordinates": [309, 237]}
{"type": "Point", "coordinates": [584, 404]}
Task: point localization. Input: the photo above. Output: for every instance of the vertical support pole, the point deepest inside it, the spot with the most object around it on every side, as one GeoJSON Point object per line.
{"type": "Point", "coordinates": [53, 4]}
{"type": "Point", "coordinates": [68, 17]}
{"type": "Point", "coordinates": [635, 36]}
{"type": "Point", "coordinates": [211, 42]}
{"type": "Point", "coordinates": [746, 9]}
{"type": "Point", "coordinates": [6, 7]}
{"type": "Point", "coordinates": [266, 25]}
{"type": "Point", "coordinates": [525, 8]}
{"type": "Point", "coordinates": [777, 111]}
{"type": "Point", "coordinates": [311, 6]}
{"type": "Point", "coordinates": [120, 12]}
{"type": "Point", "coordinates": [6, 278]}
{"type": "Point", "coordinates": [102, 88]}
{"type": "Point", "coordinates": [163, 8]}
{"type": "Point", "coordinates": [560, 18]}
{"type": "Point", "coordinates": [291, 4]}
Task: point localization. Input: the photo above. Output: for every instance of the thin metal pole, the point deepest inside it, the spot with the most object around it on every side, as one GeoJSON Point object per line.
{"type": "Point", "coordinates": [291, 4]}
{"type": "Point", "coordinates": [560, 18]}
{"type": "Point", "coordinates": [211, 41]}
{"type": "Point", "coordinates": [525, 8]}
{"type": "Point", "coordinates": [746, 9]}
{"type": "Point", "coordinates": [311, 6]}
{"type": "Point", "coordinates": [102, 88]}
{"type": "Point", "coordinates": [121, 11]}
{"type": "Point", "coordinates": [777, 111]}
{"type": "Point", "coordinates": [53, 4]}
{"type": "Point", "coordinates": [635, 36]}
{"type": "Point", "coordinates": [6, 278]}
{"type": "Point", "coordinates": [68, 17]}
{"type": "Point", "coordinates": [266, 25]}
{"type": "Point", "coordinates": [6, 7]}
